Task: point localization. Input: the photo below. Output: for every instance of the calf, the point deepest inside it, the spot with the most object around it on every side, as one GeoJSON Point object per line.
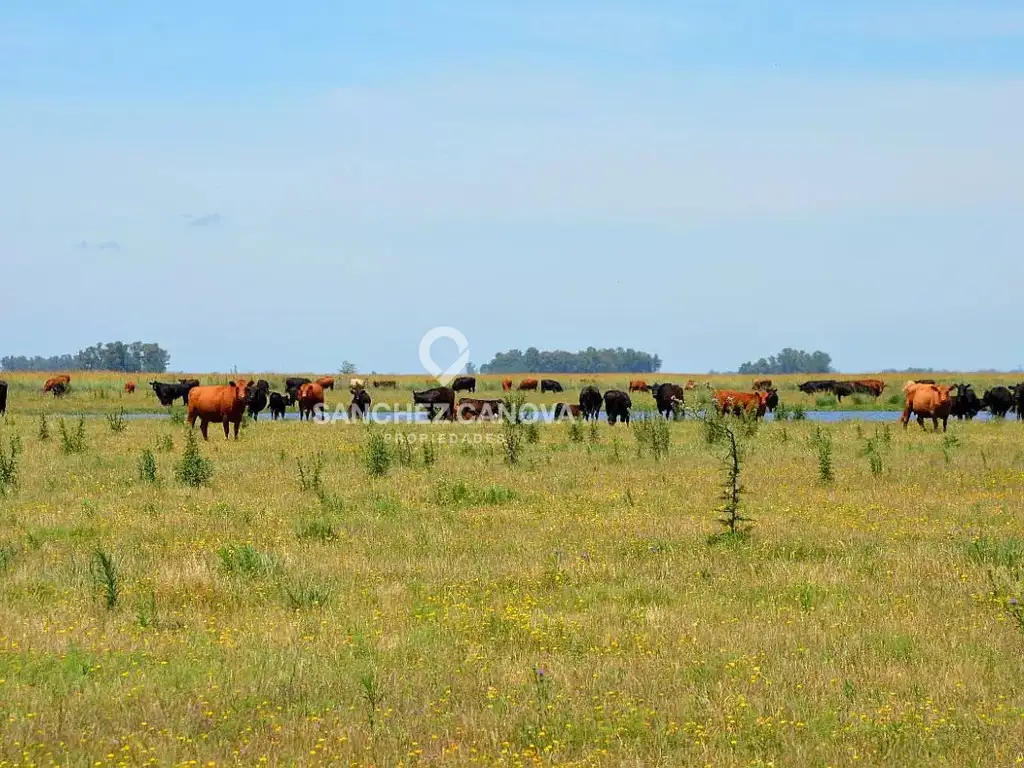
{"type": "Point", "coordinates": [278, 405]}
{"type": "Point", "coordinates": [638, 385]}
{"type": "Point", "coordinates": [129, 387]}
{"type": "Point", "coordinates": [566, 411]}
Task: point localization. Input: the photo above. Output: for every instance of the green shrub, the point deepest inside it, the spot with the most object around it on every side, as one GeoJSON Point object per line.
{"type": "Point", "coordinates": [72, 441]}
{"type": "Point", "coordinates": [246, 560]}
{"type": "Point", "coordinates": [376, 453]}
{"type": "Point", "coordinates": [116, 421]}
{"type": "Point", "coordinates": [147, 467]}
{"type": "Point", "coordinates": [193, 470]}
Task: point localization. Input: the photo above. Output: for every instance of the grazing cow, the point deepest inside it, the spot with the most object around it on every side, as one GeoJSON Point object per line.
{"type": "Point", "coordinates": [773, 400]}
{"type": "Point", "coordinates": [354, 385]}
{"type": "Point", "coordinates": [842, 389]}
{"type": "Point", "coordinates": [385, 384]}
{"type": "Point", "coordinates": [817, 385]}
{"type": "Point", "coordinates": [965, 403]}
{"type": "Point", "coordinates": [129, 387]}
{"type": "Point", "coordinates": [617, 405]}
{"type": "Point", "coordinates": [528, 384]}
{"type": "Point", "coordinates": [762, 385]}
{"type": "Point", "coordinates": [51, 384]}
{"type": "Point", "coordinates": [668, 398]}
{"type": "Point", "coordinates": [440, 401]}
{"type": "Point", "coordinates": [309, 397]}
{"type": "Point", "coordinates": [566, 411]}
{"type": "Point", "coordinates": [729, 401]}
{"type": "Point", "coordinates": [3, 397]}
{"type": "Point", "coordinates": [168, 393]}
{"type": "Point", "coordinates": [998, 400]}
{"type": "Point", "coordinates": [550, 385]}
{"type": "Point", "coordinates": [873, 387]}
{"type": "Point", "coordinates": [470, 408]}
{"type": "Point", "coordinates": [218, 405]}
{"type": "Point", "coordinates": [278, 405]}
{"type": "Point", "coordinates": [506, 385]}
{"type": "Point", "coordinates": [927, 401]}
{"type": "Point", "coordinates": [256, 400]}
{"type": "Point", "coordinates": [638, 385]}
{"type": "Point", "coordinates": [189, 382]}
{"type": "Point", "coordinates": [590, 402]}
{"type": "Point", "coordinates": [464, 384]}
{"type": "Point", "coordinates": [359, 408]}
{"type": "Point", "coordinates": [327, 382]}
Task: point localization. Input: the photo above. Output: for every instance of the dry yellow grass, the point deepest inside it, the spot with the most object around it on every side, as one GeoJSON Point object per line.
{"type": "Point", "coordinates": [571, 610]}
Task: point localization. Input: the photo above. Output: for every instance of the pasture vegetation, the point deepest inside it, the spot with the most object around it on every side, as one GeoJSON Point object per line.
{"type": "Point", "coordinates": [323, 594]}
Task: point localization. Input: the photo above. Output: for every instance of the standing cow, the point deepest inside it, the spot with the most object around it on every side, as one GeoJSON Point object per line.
{"type": "Point", "coordinates": [359, 408]}
{"type": "Point", "coordinates": [3, 397]}
{"type": "Point", "coordinates": [590, 402]}
{"type": "Point", "coordinates": [550, 385]}
{"type": "Point", "coordinates": [668, 398]}
{"type": "Point", "coordinates": [617, 405]}
{"type": "Point", "coordinates": [309, 397]}
{"type": "Point", "coordinates": [218, 405]}
{"type": "Point", "coordinates": [278, 405]}
{"type": "Point", "coordinates": [464, 384]}
{"type": "Point", "coordinates": [129, 387]}
{"type": "Point", "coordinates": [528, 384]}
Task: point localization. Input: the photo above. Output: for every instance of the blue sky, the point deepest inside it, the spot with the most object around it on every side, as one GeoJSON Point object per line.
{"type": "Point", "coordinates": [278, 189]}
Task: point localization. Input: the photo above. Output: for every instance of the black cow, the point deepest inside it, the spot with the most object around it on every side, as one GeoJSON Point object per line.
{"type": "Point", "coordinates": [773, 400]}
{"type": "Point", "coordinates": [440, 401]}
{"type": "Point", "coordinates": [189, 382]}
{"type": "Point", "coordinates": [998, 400]}
{"type": "Point", "coordinates": [966, 403]}
{"type": "Point", "coordinates": [550, 385]}
{"type": "Point", "coordinates": [168, 393]}
{"type": "Point", "coordinates": [590, 402]}
{"type": "Point", "coordinates": [842, 389]}
{"type": "Point", "coordinates": [359, 408]}
{"type": "Point", "coordinates": [295, 383]}
{"type": "Point", "coordinates": [278, 405]}
{"type": "Point", "coordinates": [3, 397]}
{"type": "Point", "coordinates": [264, 385]}
{"type": "Point", "coordinates": [256, 400]}
{"type": "Point", "coordinates": [617, 405]}
{"type": "Point", "coordinates": [1018, 400]}
{"type": "Point", "coordinates": [818, 385]}
{"type": "Point", "coordinates": [669, 399]}
{"type": "Point", "coordinates": [464, 384]}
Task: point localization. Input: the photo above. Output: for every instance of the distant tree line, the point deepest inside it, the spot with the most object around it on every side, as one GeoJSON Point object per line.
{"type": "Point", "coordinates": [136, 357]}
{"type": "Point", "coordinates": [790, 361]}
{"type": "Point", "coordinates": [589, 360]}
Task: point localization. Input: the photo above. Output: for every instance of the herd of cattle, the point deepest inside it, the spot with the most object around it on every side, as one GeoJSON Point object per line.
{"type": "Point", "coordinates": [226, 405]}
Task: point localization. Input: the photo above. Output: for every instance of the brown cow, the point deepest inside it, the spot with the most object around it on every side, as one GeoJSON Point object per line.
{"type": "Point", "coordinates": [385, 383]}
{"type": "Point", "coordinates": [566, 410]}
{"type": "Point", "coordinates": [638, 385]}
{"type": "Point", "coordinates": [927, 401]}
{"type": "Point", "coordinates": [62, 378]}
{"type": "Point", "coordinates": [690, 384]}
{"type": "Point", "coordinates": [530, 384]}
{"type": "Point", "coordinates": [327, 382]}
{"type": "Point", "coordinates": [870, 386]}
{"type": "Point", "coordinates": [762, 385]}
{"type": "Point", "coordinates": [471, 408]}
{"type": "Point", "coordinates": [129, 387]}
{"type": "Point", "coordinates": [310, 396]}
{"type": "Point", "coordinates": [218, 405]}
{"type": "Point", "coordinates": [737, 403]}
{"type": "Point", "coordinates": [506, 385]}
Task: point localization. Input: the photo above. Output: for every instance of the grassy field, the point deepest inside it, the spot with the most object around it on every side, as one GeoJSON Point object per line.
{"type": "Point", "coordinates": [581, 607]}
{"type": "Point", "coordinates": [103, 392]}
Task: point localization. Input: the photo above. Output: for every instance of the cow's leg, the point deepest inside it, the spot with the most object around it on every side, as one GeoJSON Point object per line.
{"type": "Point", "coordinates": [920, 420]}
{"type": "Point", "coordinates": [203, 427]}
{"type": "Point", "coordinates": [227, 428]}
{"type": "Point", "coordinates": [237, 425]}
{"type": "Point", "coordinates": [944, 420]}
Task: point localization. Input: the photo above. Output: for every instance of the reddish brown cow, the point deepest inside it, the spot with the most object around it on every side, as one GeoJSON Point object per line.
{"type": "Point", "coordinates": [874, 386]}
{"type": "Point", "coordinates": [327, 382]}
{"type": "Point", "coordinates": [310, 396]}
{"type": "Point", "coordinates": [218, 405]}
{"type": "Point", "coordinates": [690, 384]}
{"type": "Point", "coordinates": [638, 385]}
{"type": "Point", "coordinates": [506, 385]}
{"type": "Point", "coordinates": [129, 387]}
{"type": "Point", "coordinates": [471, 408]}
{"type": "Point", "coordinates": [530, 384]}
{"type": "Point", "coordinates": [62, 378]}
{"type": "Point", "coordinates": [927, 401]}
{"type": "Point", "coordinates": [567, 410]}
{"type": "Point", "coordinates": [737, 403]}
